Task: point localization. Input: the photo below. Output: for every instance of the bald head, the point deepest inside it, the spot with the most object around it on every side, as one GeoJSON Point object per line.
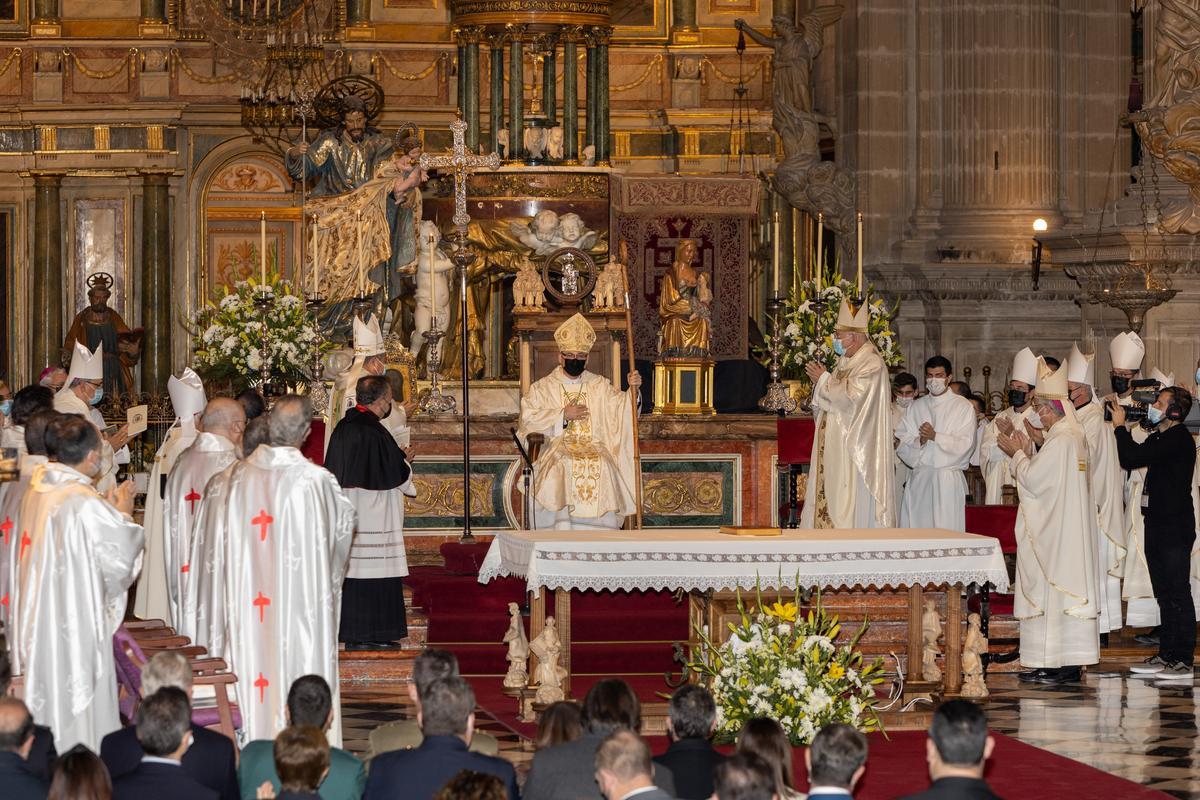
{"type": "Point", "coordinates": [224, 416]}
{"type": "Point", "coordinates": [16, 727]}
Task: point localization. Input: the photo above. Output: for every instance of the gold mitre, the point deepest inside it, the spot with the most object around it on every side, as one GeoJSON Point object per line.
{"type": "Point", "coordinates": [575, 335]}
{"type": "Point", "coordinates": [1052, 383]}
{"type": "Point", "coordinates": [851, 319]}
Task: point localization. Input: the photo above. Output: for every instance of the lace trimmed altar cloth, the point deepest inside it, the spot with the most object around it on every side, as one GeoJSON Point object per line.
{"type": "Point", "coordinates": [704, 559]}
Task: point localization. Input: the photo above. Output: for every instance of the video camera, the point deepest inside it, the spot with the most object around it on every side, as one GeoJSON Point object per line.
{"type": "Point", "coordinates": [1145, 393]}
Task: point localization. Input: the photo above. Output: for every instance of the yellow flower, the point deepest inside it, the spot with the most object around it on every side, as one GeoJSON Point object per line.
{"type": "Point", "coordinates": [835, 672]}
{"type": "Point", "coordinates": [784, 611]}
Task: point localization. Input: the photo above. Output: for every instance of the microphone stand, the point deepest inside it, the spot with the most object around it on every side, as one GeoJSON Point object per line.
{"type": "Point", "coordinates": [526, 477]}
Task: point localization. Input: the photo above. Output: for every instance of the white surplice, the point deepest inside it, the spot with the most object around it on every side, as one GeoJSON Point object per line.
{"type": "Point", "coordinates": [1107, 482]}
{"type": "Point", "coordinates": [152, 600]}
{"type": "Point", "coordinates": [1056, 598]}
{"type": "Point", "coordinates": [902, 470]}
{"type": "Point", "coordinates": [73, 573]}
{"type": "Point", "coordinates": [936, 496]}
{"type": "Point", "coordinates": [207, 455]}
{"type": "Point", "coordinates": [851, 480]}
{"type": "Point", "coordinates": [287, 528]}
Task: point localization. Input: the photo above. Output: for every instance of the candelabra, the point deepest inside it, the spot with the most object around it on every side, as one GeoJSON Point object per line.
{"type": "Point", "coordinates": [264, 301]}
{"type": "Point", "coordinates": [318, 392]}
{"type": "Point", "coordinates": [778, 398]}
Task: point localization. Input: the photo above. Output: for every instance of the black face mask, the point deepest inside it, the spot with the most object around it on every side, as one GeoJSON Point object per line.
{"type": "Point", "coordinates": [574, 366]}
{"type": "Point", "coordinates": [1016, 397]}
{"type": "Point", "coordinates": [1120, 385]}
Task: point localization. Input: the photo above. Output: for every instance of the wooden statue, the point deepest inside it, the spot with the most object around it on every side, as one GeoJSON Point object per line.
{"type": "Point", "coordinates": [974, 647]}
{"type": "Point", "coordinates": [931, 631]}
{"type": "Point", "coordinates": [518, 650]}
{"type": "Point", "coordinates": [685, 306]}
{"type": "Point", "coordinates": [98, 324]}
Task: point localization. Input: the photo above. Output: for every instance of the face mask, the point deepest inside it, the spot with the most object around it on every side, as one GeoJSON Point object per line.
{"type": "Point", "coordinates": [838, 347]}
{"type": "Point", "coordinates": [936, 386]}
{"type": "Point", "coordinates": [98, 396]}
{"type": "Point", "coordinates": [904, 402]}
{"type": "Point", "coordinates": [5, 407]}
{"type": "Point", "coordinates": [1120, 385]}
{"type": "Point", "coordinates": [574, 366]}
{"type": "Point", "coordinates": [1017, 398]}
{"type": "Point", "coordinates": [1154, 415]}
{"type": "Point", "coordinates": [1036, 421]}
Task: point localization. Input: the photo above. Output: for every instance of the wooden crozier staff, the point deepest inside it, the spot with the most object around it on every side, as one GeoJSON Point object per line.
{"type": "Point", "coordinates": [637, 450]}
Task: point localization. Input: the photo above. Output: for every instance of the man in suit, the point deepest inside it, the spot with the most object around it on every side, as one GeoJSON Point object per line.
{"type": "Point", "coordinates": [309, 702]}
{"type": "Point", "coordinates": [568, 770]}
{"type": "Point", "coordinates": [744, 776]}
{"type": "Point", "coordinates": [405, 734]}
{"type": "Point", "coordinates": [836, 760]}
{"type": "Point", "coordinates": [211, 760]}
{"type": "Point", "coordinates": [624, 769]}
{"type": "Point", "coordinates": [164, 729]}
{"type": "Point", "coordinates": [447, 720]}
{"type": "Point", "coordinates": [42, 753]}
{"type": "Point", "coordinates": [16, 738]}
{"type": "Point", "coordinates": [690, 756]}
{"type": "Point", "coordinates": [957, 749]}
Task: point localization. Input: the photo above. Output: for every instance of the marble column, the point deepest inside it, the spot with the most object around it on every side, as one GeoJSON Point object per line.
{"type": "Point", "coordinates": [154, 11]}
{"type": "Point", "coordinates": [470, 101]}
{"type": "Point", "coordinates": [684, 17]}
{"type": "Point", "coordinates": [358, 12]}
{"type": "Point", "coordinates": [589, 135]}
{"type": "Point", "coordinates": [549, 83]}
{"type": "Point", "coordinates": [47, 275]}
{"type": "Point", "coordinates": [46, 11]}
{"type": "Point", "coordinates": [461, 63]}
{"type": "Point", "coordinates": [516, 93]}
{"type": "Point", "coordinates": [156, 282]}
{"type": "Point", "coordinates": [787, 250]}
{"type": "Point", "coordinates": [603, 37]}
{"type": "Point", "coordinates": [496, 95]}
{"type": "Point", "coordinates": [570, 115]}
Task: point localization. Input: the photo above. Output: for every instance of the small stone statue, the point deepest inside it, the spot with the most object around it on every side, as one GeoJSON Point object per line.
{"type": "Point", "coordinates": [528, 292]}
{"type": "Point", "coordinates": [535, 143]}
{"type": "Point", "coordinates": [589, 155]}
{"type": "Point", "coordinates": [931, 631]}
{"type": "Point", "coordinates": [975, 645]}
{"type": "Point", "coordinates": [550, 674]}
{"type": "Point", "coordinates": [518, 650]}
{"type": "Point", "coordinates": [609, 294]}
{"type": "Point", "coordinates": [554, 143]}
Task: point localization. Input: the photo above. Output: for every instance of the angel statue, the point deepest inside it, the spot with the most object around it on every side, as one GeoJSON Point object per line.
{"type": "Point", "coordinates": [518, 649]}
{"type": "Point", "coordinates": [549, 674]}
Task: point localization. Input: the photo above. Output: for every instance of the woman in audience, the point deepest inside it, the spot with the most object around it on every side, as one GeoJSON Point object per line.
{"type": "Point", "coordinates": [301, 761]}
{"type": "Point", "coordinates": [80, 775]}
{"type": "Point", "coordinates": [765, 738]}
{"type": "Point", "coordinates": [558, 724]}
{"type": "Point", "coordinates": [469, 785]}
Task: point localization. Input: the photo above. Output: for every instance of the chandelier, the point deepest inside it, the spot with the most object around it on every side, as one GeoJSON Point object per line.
{"type": "Point", "coordinates": [1133, 287]}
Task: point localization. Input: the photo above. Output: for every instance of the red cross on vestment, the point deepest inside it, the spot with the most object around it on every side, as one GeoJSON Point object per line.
{"type": "Point", "coordinates": [7, 528]}
{"type": "Point", "coordinates": [261, 684]}
{"type": "Point", "coordinates": [262, 601]}
{"type": "Point", "coordinates": [184, 569]}
{"type": "Point", "coordinates": [263, 520]}
{"type": "Point", "coordinates": [25, 542]}
{"type": "Point", "coordinates": [191, 497]}
{"type": "Point", "coordinates": [4, 600]}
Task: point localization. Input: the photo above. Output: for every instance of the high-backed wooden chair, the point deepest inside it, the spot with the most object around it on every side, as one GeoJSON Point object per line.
{"type": "Point", "coordinates": [998, 522]}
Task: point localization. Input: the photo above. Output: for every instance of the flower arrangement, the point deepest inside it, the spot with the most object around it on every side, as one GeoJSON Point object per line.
{"type": "Point", "coordinates": [807, 335]}
{"type": "Point", "coordinates": [229, 335]}
{"type": "Point", "coordinates": [777, 663]}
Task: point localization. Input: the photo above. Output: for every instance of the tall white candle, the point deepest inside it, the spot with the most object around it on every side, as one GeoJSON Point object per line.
{"type": "Point", "coordinates": [861, 289]}
{"type": "Point", "coordinates": [262, 255]}
{"type": "Point", "coordinates": [432, 284]}
{"type": "Point", "coordinates": [316, 257]}
{"type": "Point", "coordinates": [361, 258]}
{"type": "Point", "coordinates": [775, 258]}
{"type": "Point", "coordinates": [820, 263]}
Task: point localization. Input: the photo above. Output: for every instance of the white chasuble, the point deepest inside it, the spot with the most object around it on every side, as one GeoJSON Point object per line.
{"type": "Point", "coordinates": [1141, 609]}
{"type": "Point", "coordinates": [1107, 482]}
{"type": "Point", "coordinates": [1056, 597]}
{"type": "Point", "coordinates": [936, 495]}
{"type": "Point", "coordinates": [76, 559]}
{"type": "Point", "coordinates": [993, 463]}
{"type": "Point", "coordinates": [153, 597]}
{"type": "Point", "coordinates": [202, 611]}
{"type": "Point", "coordinates": [586, 468]}
{"type": "Point", "coordinates": [287, 528]}
{"type": "Point", "coordinates": [207, 455]}
{"type": "Point", "coordinates": [12, 494]}
{"type": "Point", "coordinates": [852, 472]}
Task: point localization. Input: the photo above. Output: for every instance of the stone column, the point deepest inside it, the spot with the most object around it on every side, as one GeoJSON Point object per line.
{"type": "Point", "coordinates": [787, 250]}
{"type": "Point", "coordinates": [154, 11]}
{"type": "Point", "coordinates": [358, 12]}
{"type": "Point", "coordinates": [48, 267]}
{"type": "Point", "coordinates": [570, 116]}
{"type": "Point", "coordinates": [603, 36]}
{"type": "Point", "coordinates": [516, 92]}
{"type": "Point", "coordinates": [470, 101]}
{"type": "Point", "coordinates": [589, 135]}
{"type": "Point", "coordinates": [496, 94]}
{"type": "Point", "coordinates": [549, 82]}
{"type": "Point", "coordinates": [156, 282]}
{"type": "Point", "coordinates": [684, 18]}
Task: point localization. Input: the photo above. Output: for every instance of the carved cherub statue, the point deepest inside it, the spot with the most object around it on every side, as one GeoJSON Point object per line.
{"type": "Point", "coordinates": [572, 232]}
{"type": "Point", "coordinates": [528, 291]}
{"type": "Point", "coordinates": [535, 142]}
{"type": "Point", "coordinates": [931, 631]}
{"type": "Point", "coordinates": [550, 674]}
{"type": "Point", "coordinates": [554, 143]}
{"type": "Point", "coordinates": [609, 294]}
{"type": "Point", "coordinates": [589, 155]}
{"type": "Point", "coordinates": [518, 650]}
{"type": "Point", "coordinates": [974, 647]}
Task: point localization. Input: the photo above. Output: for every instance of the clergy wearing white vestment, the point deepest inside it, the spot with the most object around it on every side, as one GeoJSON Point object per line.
{"type": "Point", "coordinates": [83, 390]}
{"type": "Point", "coordinates": [1056, 597]}
{"type": "Point", "coordinates": [286, 528]}
{"type": "Point", "coordinates": [936, 439]}
{"type": "Point", "coordinates": [369, 352]}
{"type": "Point", "coordinates": [993, 463]}
{"type": "Point", "coordinates": [77, 556]}
{"type": "Point", "coordinates": [584, 477]}
{"type": "Point", "coordinates": [154, 599]}
{"type": "Point", "coordinates": [216, 447]}
{"type": "Point", "coordinates": [1107, 483]}
{"type": "Point", "coordinates": [904, 394]}
{"type": "Point", "coordinates": [852, 473]}
{"type": "Point", "coordinates": [203, 606]}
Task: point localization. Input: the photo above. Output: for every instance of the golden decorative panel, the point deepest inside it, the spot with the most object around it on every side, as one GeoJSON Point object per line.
{"type": "Point", "coordinates": [442, 496]}
{"type": "Point", "coordinates": [696, 493]}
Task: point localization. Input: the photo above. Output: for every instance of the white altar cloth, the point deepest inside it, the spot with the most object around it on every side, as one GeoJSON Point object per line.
{"type": "Point", "coordinates": [702, 560]}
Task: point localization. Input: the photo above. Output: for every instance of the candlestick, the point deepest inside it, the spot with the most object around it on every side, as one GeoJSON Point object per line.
{"type": "Point", "coordinates": [775, 258]}
{"type": "Point", "coordinates": [316, 251]}
{"type": "Point", "coordinates": [262, 256]}
{"type": "Point", "coordinates": [432, 284]}
{"type": "Point", "coordinates": [861, 290]}
{"type": "Point", "coordinates": [361, 259]}
{"type": "Point", "coordinates": [820, 267]}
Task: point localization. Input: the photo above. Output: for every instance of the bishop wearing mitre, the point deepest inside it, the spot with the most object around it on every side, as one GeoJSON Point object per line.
{"type": "Point", "coordinates": [993, 463]}
{"type": "Point", "coordinates": [80, 395]}
{"type": "Point", "coordinates": [1107, 483]}
{"type": "Point", "coordinates": [1057, 596]}
{"type": "Point", "coordinates": [584, 477]}
{"type": "Point", "coordinates": [187, 400]}
{"type": "Point", "coordinates": [850, 483]}
{"type": "Point", "coordinates": [369, 352]}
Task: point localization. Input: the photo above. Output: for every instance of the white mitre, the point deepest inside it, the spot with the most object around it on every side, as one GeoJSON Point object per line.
{"type": "Point", "coordinates": [576, 335]}
{"type": "Point", "coordinates": [1052, 383]}
{"type": "Point", "coordinates": [1025, 367]}
{"type": "Point", "coordinates": [1126, 351]}
{"type": "Point", "coordinates": [187, 397]}
{"type": "Point", "coordinates": [1081, 368]}
{"type": "Point", "coordinates": [368, 339]}
{"type": "Point", "coordinates": [1163, 380]}
{"type": "Point", "coordinates": [853, 320]}
{"type": "Point", "coordinates": [86, 365]}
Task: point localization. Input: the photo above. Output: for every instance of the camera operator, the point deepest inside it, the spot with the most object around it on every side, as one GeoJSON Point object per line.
{"type": "Point", "coordinates": [1169, 456]}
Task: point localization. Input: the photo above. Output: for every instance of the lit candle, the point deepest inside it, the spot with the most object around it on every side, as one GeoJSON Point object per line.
{"type": "Point", "coordinates": [262, 256]}
{"type": "Point", "coordinates": [775, 259]}
{"type": "Point", "coordinates": [861, 289]}
{"type": "Point", "coordinates": [361, 258]}
{"type": "Point", "coordinates": [820, 267]}
{"type": "Point", "coordinates": [316, 251]}
{"type": "Point", "coordinates": [432, 283]}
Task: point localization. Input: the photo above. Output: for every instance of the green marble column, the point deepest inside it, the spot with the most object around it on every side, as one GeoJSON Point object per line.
{"type": "Point", "coordinates": [550, 84]}
{"type": "Point", "coordinates": [496, 109]}
{"type": "Point", "coordinates": [516, 94]}
{"type": "Point", "coordinates": [154, 11]}
{"type": "Point", "coordinates": [471, 100]}
{"type": "Point", "coordinates": [602, 105]}
{"type": "Point", "coordinates": [787, 250]}
{"type": "Point", "coordinates": [358, 12]}
{"type": "Point", "coordinates": [570, 115]}
{"type": "Point", "coordinates": [589, 134]}
{"type": "Point", "coordinates": [46, 11]}
{"type": "Point", "coordinates": [156, 282]}
{"type": "Point", "coordinates": [46, 279]}
{"type": "Point", "coordinates": [461, 63]}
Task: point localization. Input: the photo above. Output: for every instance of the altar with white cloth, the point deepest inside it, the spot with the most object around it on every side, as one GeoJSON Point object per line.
{"type": "Point", "coordinates": [899, 565]}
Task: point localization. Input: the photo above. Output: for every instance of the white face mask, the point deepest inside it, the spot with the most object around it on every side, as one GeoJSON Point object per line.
{"type": "Point", "coordinates": [936, 386]}
{"type": "Point", "coordinates": [1035, 419]}
{"type": "Point", "coordinates": [904, 402]}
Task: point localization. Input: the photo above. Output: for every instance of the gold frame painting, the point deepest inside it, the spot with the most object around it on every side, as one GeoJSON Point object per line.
{"type": "Point", "coordinates": [14, 18]}
{"type": "Point", "coordinates": [657, 29]}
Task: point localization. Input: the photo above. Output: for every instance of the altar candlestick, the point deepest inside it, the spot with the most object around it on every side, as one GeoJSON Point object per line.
{"type": "Point", "coordinates": [820, 267]}
{"type": "Point", "coordinates": [316, 257]}
{"type": "Point", "coordinates": [262, 255]}
{"type": "Point", "coordinates": [861, 290]}
{"type": "Point", "coordinates": [432, 283]}
{"type": "Point", "coordinates": [775, 259]}
{"type": "Point", "coordinates": [361, 259]}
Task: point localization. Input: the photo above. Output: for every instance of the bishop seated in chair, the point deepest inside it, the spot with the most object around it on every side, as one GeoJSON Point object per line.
{"type": "Point", "coordinates": [584, 478]}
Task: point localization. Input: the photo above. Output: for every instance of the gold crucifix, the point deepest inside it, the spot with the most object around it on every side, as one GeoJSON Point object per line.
{"type": "Point", "coordinates": [463, 163]}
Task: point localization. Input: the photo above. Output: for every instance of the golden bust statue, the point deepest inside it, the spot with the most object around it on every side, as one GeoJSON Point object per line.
{"type": "Point", "coordinates": [684, 307]}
